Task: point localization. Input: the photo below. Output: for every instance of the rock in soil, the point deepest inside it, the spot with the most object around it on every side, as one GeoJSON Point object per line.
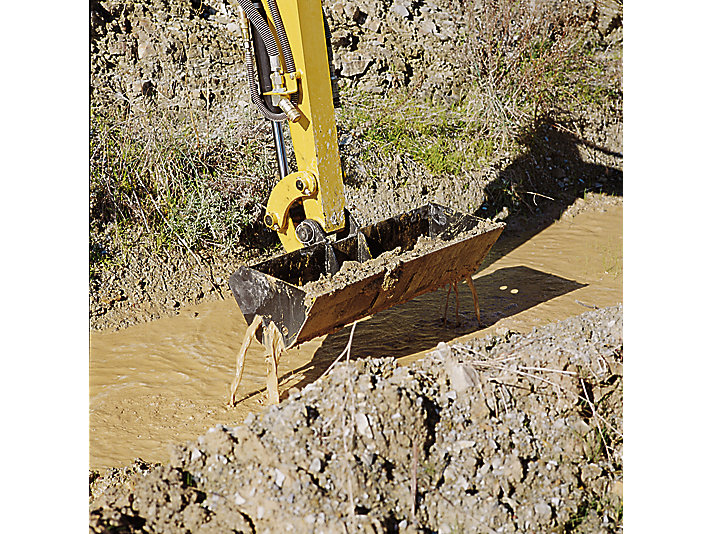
{"type": "Point", "coordinates": [518, 433]}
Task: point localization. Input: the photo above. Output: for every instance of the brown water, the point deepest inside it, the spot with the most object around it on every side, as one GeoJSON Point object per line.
{"type": "Point", "coordinates": [166, 382]}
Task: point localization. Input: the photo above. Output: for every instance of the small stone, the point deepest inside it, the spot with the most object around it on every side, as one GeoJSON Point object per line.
{"type": "Point", "coordinates": [362, 425]}
{"type": "Point", "coordinates": [462, 376]}
{"type": "Point", "coordinates": [543, 511]}
{"type": "Point", "coordinates": [373, 24]}
{"type": "Point", "coordinates": [279, 477]}
{"type": "Point", "coordinates": [464, 444]}
{"type": "Point", "coordinates": [145, 49]}
{"type": "Point", "coordinates": [428, 27]}
{"type": "Point", "coordinates": [400, 9]}
{"type": "Point", "coordinates": [352, 68]}
{"type": "Point", "coordinates": [315, 466]}
{"type": "Point", "coordinates": [443, 350]}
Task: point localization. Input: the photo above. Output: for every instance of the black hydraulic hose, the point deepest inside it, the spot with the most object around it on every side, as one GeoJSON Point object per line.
{"type": "Point", "coordinates": [260, 24]}
{"type": "Point", "coordinates": [330, 55]}
{"type": "Point", "coordinates": [264, 71]}
{"type": "Point", "coordinates": [282, 36]}
{"type": "Point", "coordinates": [255, 94]}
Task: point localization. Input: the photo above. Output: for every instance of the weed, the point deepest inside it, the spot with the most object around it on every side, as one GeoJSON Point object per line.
{"type": "Point", "coordinates": [157, 182]}
{"type": "Point", "coordinates": [593, 505]}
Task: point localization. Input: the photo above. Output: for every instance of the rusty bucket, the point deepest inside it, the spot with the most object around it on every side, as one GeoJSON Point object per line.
{"type": "Point", "coordinates": [277, 289]}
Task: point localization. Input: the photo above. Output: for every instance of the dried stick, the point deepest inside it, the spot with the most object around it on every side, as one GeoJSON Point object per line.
{"type": "Point", "coordinates": [457, 305]}
{"type": "Point", "coordinates": [250, 335]}
{"type": "Point", "coordinates": [346, 349]}
{"type": "Point", "coordinates": [468, 279]}
{"type": "Point", "coordinates": [414, 479]}
{"type": "Point", "coordinates": [349, 403]}
{"type": "Point", "coordinates": [447, 301]}
{"type": "Point", "coordinates": [598, 425]}
{"type": "Point", "coordinates": [274, 345]}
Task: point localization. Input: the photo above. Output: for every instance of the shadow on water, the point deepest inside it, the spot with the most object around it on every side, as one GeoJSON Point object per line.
{"type": "Point", "coordinates": [418, 325]}
{"type": "Point", "coordinates": [535, 189]}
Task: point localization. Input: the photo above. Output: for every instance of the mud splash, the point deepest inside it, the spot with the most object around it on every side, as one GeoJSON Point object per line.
{"type": "Point", "coordinates": [167, 381]}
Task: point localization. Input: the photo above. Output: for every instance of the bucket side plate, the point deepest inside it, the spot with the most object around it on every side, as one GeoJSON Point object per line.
{"type": "Point", "coordinates": [275, 300]}
{"type": "Point", "coordinates": [409, 279]}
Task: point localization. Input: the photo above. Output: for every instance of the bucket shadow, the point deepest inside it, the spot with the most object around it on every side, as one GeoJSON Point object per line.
{"type": "Point", "coordinates": [417, 325]}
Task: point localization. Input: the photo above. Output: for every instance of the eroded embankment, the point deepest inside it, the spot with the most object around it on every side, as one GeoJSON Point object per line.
{"type": "Point", "coordinates": [521, 433]}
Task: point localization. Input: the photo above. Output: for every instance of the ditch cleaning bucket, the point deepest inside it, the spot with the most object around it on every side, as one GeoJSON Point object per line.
{"type": "Point", "coordinates": [278, 289]}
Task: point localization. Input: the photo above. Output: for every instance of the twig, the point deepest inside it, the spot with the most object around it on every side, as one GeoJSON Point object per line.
{"type": "Point", "coordinates": [549, 370]}
{"type": "Point", "coordinates": [475, 301]}
{"type": "Point", "coordinates": [349, 404]}
{"type": "Point", "coordinates": [538, 195]}
{"type": "Point", "coordinates": [240, 360]}
{"type": "Point", "coordinates": [457, 305]}
{"type": "Point", "coordinates": [413, 479]}
{"type": "Point", "coordinates": [447, 301]}
{"type": "Point", "coordinates": [598, 425]}
{"type": "Point", "coordinates": [274, 345]}
{"type": "Point", "coordinates": [346, 349]}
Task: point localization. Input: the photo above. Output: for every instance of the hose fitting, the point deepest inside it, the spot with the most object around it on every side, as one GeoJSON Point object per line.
{"type": "Point", "coordinates": [290, 110]}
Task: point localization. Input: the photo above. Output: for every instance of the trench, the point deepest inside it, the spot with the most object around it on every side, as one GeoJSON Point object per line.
{"type": "Point", "coordinates": [156, 384]}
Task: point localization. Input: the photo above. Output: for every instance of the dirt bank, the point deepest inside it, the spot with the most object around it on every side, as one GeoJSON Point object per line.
{"type": "Point", "coordinates": [512, 433]}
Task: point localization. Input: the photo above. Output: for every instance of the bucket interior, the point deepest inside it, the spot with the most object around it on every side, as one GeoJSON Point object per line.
{"type": "Point", "coordinates": [308, 264]}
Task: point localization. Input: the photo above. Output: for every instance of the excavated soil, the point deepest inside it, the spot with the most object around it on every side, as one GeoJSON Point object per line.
{"type": "Point", "coordinates": [510, 433]}
{"type": "Point", "coordinates": [354, 271]}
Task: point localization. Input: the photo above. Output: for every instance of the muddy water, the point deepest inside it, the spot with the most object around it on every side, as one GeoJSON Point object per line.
{"type": "Point", "coordinates": [167, 381]}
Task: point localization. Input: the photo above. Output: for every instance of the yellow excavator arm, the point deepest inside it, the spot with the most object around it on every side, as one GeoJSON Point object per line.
{"type": "Point", "coordinates": [285, 40]}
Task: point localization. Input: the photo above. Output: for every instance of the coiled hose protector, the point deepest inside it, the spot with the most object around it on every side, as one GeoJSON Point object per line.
{"type": "Point", "coordinates": [259, 23]}
{"type": "Point", "coordinates": [284, 43]}
{"type": "Point", "coordinates": [282, 36]}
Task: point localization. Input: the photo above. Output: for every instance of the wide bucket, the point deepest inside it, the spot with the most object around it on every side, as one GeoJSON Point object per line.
{"type": "Point", "coordinates": [321, 288]}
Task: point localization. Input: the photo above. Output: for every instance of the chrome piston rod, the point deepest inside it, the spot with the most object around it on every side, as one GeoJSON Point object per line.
{"type": "Point", "coordinates": [281, 150]}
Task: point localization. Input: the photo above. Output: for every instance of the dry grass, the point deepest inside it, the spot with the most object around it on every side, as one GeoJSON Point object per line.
{"type": "Point", "coordinates": [531, 59]}
{"type": "Point", "coordinates": [157, 181]}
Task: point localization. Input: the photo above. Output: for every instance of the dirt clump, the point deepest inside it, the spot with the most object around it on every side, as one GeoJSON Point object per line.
{"type": "Point", "coordinates": [354, 271]}
{"type": "Point", "coordinates": [592, 202]}
{"type": "Point", "coordinates": [511, 433]}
